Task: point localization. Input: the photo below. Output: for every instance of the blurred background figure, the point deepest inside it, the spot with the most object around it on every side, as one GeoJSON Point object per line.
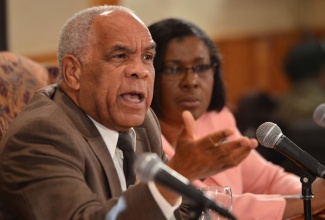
{"type": "Point", "coordinates": [253, 109]}
{"type": "Point", "coordinates": [304, 67]}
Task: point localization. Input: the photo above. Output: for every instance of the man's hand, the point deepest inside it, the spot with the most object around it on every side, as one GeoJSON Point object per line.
{"type": "Point", "coordinates": [201, 158]}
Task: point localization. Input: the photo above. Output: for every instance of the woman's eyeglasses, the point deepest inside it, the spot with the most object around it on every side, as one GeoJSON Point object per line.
{"type": "Point", "coordinates": [179, 72]}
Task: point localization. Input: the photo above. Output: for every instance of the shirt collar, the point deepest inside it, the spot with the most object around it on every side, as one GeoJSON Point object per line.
{"type": "Point", "coordinates": [110, 136]}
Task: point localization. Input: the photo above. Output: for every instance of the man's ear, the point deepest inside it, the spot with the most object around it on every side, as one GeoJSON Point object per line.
{"type": "Point", "coordinates": [71, 68]}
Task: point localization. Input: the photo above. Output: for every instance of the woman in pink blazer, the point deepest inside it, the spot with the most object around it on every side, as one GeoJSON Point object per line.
{"type": "Point", "coordinates": [188, 77]}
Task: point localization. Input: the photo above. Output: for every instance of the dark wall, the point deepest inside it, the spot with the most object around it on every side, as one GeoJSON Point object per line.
{"type": "Point", "coordinates": [3, 25]}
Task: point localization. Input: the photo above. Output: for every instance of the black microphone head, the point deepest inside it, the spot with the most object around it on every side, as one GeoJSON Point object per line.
{"type": "Point", "coordinates": [268, 134]}
{"type": "Point", "coordinates": [319, 115]}
{"type": "Point", "coordinates": [146, 166]}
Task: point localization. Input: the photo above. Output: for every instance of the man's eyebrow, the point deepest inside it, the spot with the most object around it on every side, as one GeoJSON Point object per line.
{"type": "Point", "coordinates": [121, 48]}
{"type": "Point", "coordinates": [118, 48]}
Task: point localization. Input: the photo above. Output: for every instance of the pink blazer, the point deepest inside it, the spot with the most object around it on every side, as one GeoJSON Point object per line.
{"type": "Point", "coordinates": [257, 185]}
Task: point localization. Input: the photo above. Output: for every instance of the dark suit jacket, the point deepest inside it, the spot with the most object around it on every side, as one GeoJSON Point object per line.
{"type": "Point", "coordinates": [55, 165]}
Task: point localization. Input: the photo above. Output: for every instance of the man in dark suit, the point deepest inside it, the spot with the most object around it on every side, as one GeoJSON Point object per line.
{"type": "Point", "coordinates": [59, 158]}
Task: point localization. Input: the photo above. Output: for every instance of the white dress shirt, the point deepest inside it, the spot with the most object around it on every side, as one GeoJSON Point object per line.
{"type": "Point", "coordinates": [110, 138]}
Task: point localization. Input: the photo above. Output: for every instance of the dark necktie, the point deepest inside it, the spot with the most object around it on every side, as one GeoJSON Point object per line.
{"type": "Point", "coordinates": [125, 144]}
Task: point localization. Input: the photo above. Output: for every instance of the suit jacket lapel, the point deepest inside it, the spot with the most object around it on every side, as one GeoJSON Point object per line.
{"type": "Point", "coordinates": [92, 136]}
{"type": "Point", "coordinates": [98, 146]}
{"type": "Point", "coordinates": [142, 143]}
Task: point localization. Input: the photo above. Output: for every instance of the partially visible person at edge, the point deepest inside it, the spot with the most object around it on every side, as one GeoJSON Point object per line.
{"type": "Point", "coordinates": [188, 78]}
{"type": "Point", "coordinates": [59, 158]}
{"type": "Point", "coordinates": [304, 66]}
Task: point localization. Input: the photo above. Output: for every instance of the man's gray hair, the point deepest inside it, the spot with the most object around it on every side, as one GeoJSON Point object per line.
{"type": "Point", "coordinates": [77, 32]}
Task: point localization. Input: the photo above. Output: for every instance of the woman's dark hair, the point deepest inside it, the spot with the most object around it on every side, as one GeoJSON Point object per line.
{"type": "Point", "coordinates": [166, 30]}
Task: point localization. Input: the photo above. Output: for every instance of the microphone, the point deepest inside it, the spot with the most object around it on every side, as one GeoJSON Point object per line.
{"type": "Point", "coordinates": [319, 115]}
{"type": "Point", "coordinates": [149, 166]}
{"type": "Point", "coordinates": [270, 135]}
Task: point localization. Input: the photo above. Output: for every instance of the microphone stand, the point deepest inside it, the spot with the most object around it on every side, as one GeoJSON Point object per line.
{"type": "Point", "coordinates": [306, 180]}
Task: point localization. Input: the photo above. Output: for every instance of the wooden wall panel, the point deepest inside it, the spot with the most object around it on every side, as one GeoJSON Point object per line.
{"type": "Point", "coordinates": [256, 63]}
{"type": "Point", "coordinates": [237, 70]}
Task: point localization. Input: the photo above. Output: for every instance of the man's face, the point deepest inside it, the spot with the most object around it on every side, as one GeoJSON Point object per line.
{"type": "Point", "coordinates": [117, 74]}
